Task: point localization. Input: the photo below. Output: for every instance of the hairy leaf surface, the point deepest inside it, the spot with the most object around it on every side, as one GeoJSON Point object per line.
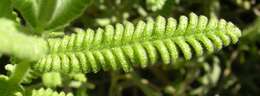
{"type": "Point", "coordinates": [18, 44]}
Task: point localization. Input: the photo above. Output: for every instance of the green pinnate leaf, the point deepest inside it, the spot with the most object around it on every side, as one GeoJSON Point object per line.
{"type": "Point", "coordinates": [48, 92]}
{"type": "Point", "coordinates": [8, 89]}
{"type": "Point", "coordinates": [129, 45]}
{"type": "Point", "coordinates": [155, 5]}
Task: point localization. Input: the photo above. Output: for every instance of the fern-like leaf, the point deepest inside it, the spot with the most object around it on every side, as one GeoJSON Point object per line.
{"type": "Point", "coordinates": [48, 92]}
{"type": "Point", "coordinates": [127, 45]}
{"type": "Point", "coordinates": [155, 5]}
{"type": "Point", "coordinates": [30, 75]}
{"type": "Point", "coordinates": [52, 79]}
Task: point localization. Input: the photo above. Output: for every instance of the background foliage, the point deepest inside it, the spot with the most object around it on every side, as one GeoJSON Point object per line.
{"type": "Point", "coordinates": [233, 71]}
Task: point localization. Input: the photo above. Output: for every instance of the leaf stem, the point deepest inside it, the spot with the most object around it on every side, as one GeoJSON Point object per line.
{"type": "Point", "coordinates": [20, 70]}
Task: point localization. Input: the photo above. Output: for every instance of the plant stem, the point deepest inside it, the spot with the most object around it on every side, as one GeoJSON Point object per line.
{"type": "Point", "coordinates": [114, 78]}
{"type": "Point", "coordinates": [20, 71]}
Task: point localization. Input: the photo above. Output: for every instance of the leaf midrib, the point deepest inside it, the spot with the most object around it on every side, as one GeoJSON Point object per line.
{"type": "Point", "coordinates": [103, 46]}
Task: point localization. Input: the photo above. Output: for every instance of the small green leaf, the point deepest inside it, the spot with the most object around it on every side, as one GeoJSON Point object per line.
{"type": "Point", "coordinates": [6, 89]}
{"type": "Point", "coordinates": [6, 9]}
{"type": "Point", "coordinates": [45, 15]}
{"type": "Point", "coordinates": [155, 5]}
{"type": "Point", "coordinates": [48, 92]}
{"type": "Point", "coordinates": [28, 9]}
{"type": "Point", "coordinates": [52, 79]}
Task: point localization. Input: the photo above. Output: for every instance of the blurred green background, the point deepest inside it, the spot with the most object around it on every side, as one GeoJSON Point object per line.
{"type": "Point", "coordinates": [233, 71]}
